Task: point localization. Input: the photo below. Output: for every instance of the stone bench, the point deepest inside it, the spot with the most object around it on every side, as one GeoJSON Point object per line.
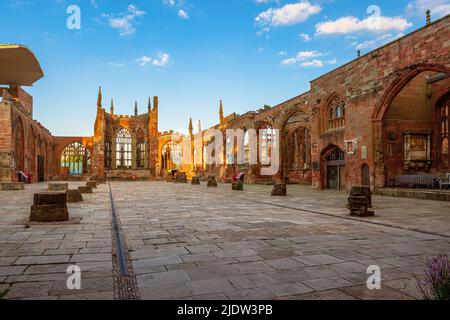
{"type": "Point", "coordinates": [74, 196]}
{"type": "Point", "coordinates": [13, 186]}
{"type": "Point", "coordinates": [85, 189]}
{"type": "Point", "coordinates": [180, 177]}
{"type": "Point", "coordinates": [195, 181]}
{"type": "Point", "coordinates": [279, 190]}
{"type": "Point", "coordinates": [58, 186]}
{"type": "Point", "coordinates": [212, 182]}
{"type": "Point", "coordinates": [49, 207]}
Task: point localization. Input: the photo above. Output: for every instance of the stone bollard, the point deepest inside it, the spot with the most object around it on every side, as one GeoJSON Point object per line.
{"type": "Point", "coordinates": [11, 186]}
{"type": "Point", "coordinates": [212, 182]}
{"type": "Point", "coordinates": [49, 207]}
{"type": "Point", "coordinates": [91, 184]}
{"type": "Point", "coordinates": [74, 196]}
{"type": "Point", "coordinates": [85, 190]}
{"type": "Point", "coordinates": [237, 186]}
{"type": "Point", "coordinates": [279, 190]}
{"type": "Point", "coordinates": [58, 186]}
{"type": "Point", "coordinates": [195, 181]}
{"type": "Point", "coordinates": [180, 177]}
{"type": "Point", "coordinates": [358, 205]}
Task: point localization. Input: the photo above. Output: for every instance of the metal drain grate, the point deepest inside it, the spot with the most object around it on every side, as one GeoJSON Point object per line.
{"type": "Point", "coordinates": [126, 288]}
{"type": "Point", "coordinates": [125, 285]}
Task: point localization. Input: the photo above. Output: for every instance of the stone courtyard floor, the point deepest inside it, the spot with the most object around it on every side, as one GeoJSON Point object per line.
{"type": "Point", "coordinates": [193, 242]}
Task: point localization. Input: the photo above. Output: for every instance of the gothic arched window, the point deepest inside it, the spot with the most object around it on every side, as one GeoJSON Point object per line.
{"type": "Point", "coordinates": [123, 149]}
{"type": "Point", "coordinates": [77, 158]}
{"type": "Point", "coordinates": [266, 136]}
{"type": "Point", "coordinates": [336, 113]}
{"type": "Point", "coordinates": [140, 149]}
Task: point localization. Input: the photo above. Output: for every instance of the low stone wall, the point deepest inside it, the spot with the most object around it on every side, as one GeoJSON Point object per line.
{"type": "Point", "coordinates": [435, 195]}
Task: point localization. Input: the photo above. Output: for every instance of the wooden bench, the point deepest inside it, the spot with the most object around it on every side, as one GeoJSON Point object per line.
{"type": "Point", "coordinates": [414, 181]}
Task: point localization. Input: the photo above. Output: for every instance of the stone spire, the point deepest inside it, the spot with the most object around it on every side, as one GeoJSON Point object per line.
{"type": "Point", "coordinates": [135, 108]}
{"type": "Point", "coordinates": [221, 112]}
{"type": "Point", "coordinates": [155, 103]}
{"type": "Point", "coordinates": [149, 104]}
{"type": "Point", "coordinates": [428, 13]}
{"type": "Point", "coordinates": [199, 126]}
{"type": "Point", "coordinates": [191, 128]}
{"type": "Point", "coordinates": [112, 107]}
{"type": "Point", "coordinates": [358, 53]}
{"type": "Point", "coordinates": [99, 99]}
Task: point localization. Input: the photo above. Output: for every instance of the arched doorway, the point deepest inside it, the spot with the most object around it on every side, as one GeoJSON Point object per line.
{"type": "Point", "coordinates": [335, 169]}
{"type": "Point", "coordinates": [75, 160]}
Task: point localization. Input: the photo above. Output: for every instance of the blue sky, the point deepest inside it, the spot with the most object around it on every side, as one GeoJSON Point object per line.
{"type": "Point", "coordinates": [192, 53]}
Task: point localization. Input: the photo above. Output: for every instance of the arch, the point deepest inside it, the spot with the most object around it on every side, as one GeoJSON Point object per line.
{"type": "Point", "coordinates": [266, 133]}
{"type": "Point", "coordinates": [333, 168]}
{"type": "Point", "coordinates": [443, 115]}
{"type": "Point", "coordinates": [19, 144]}
{"type": "Point", "coordinates": [140, 149]}
{"type": "Point", "coordinates": [397, 85]}
{"type": "Point", "coordinates": [123, 149]}
{"type": "Point", "coordinates": [333, 112]}
{"type": "Point", "coordinates": [31, 151]}
{"type": "Point", "coordinates": [75, 159]}
{"type": "Point", "coordinates": [171, 156]}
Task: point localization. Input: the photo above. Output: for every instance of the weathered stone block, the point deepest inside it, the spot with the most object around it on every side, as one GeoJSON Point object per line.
{"type": "Point", "coordinates": [180, 177]}
{"type": "Point", "coordinates": [74, 196]}
{"type": "Point", "coordinates": [91, 184]}
{"type": "Point", "coordinates": [85, 189]}
{"type": "Point", "coordinates": [212, 182]}
{"type": "Point", "coordinates": [279, 190]}
{"type": "Point", "coordinates": [13, 186]}
{"type": "Point", "coordinates": [358, 205]}
{"type": "Point", "coordinates": [365, 191]}
{"type": "Point", "coordinates": [58, 186]}
{"type": "Point", "coordinates": [49, 207]}
{"type": "Point", "coordinates": [195, 181]}
{"type": "Point", "coordinates": [237, 186]}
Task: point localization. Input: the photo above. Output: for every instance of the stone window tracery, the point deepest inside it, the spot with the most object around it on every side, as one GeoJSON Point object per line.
{"type": "Point", "coordinates": [123, 149]}
{"type": "Point", "coordinates": [76, 157]}
{"type": "Point", "coordinates": [336, 113]}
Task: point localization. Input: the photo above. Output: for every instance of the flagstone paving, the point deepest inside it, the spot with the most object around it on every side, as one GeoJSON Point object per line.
{"type": "Point", "coordinates": [191, 242]}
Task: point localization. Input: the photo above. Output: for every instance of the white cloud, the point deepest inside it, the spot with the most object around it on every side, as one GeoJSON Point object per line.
{"type": "Point", "coordinates": [125, 22]}
{"type": "Point", "coordinates": [438, 8]}
{"type": "Point", "coordinates": [265, 1]}
{"type": "Point", "coordinates": [183, 14]}
{"type": "Point", "coordinates": [350, 24]}
{"type": "Point", "coordinates": [143, 61]}
{"type": "Point", "coordinates": [94, 3]}
{"type": "Point", "coordinates": [379, 41]}
{"type": "Point", "coordinates": [170, 3]}
{"type": "Point", "coordinates": [282, 53]}
{"type": "Point", "coordinates": [305, 37]}
{"type": "Point", "coordinates": [307, 59]}
{"type": "Point", "coordinates": [289, 14]}
{"type": "Point", "coordinates": [162, 59]}
{"type": "Point", "coordinates": [312, 63]}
